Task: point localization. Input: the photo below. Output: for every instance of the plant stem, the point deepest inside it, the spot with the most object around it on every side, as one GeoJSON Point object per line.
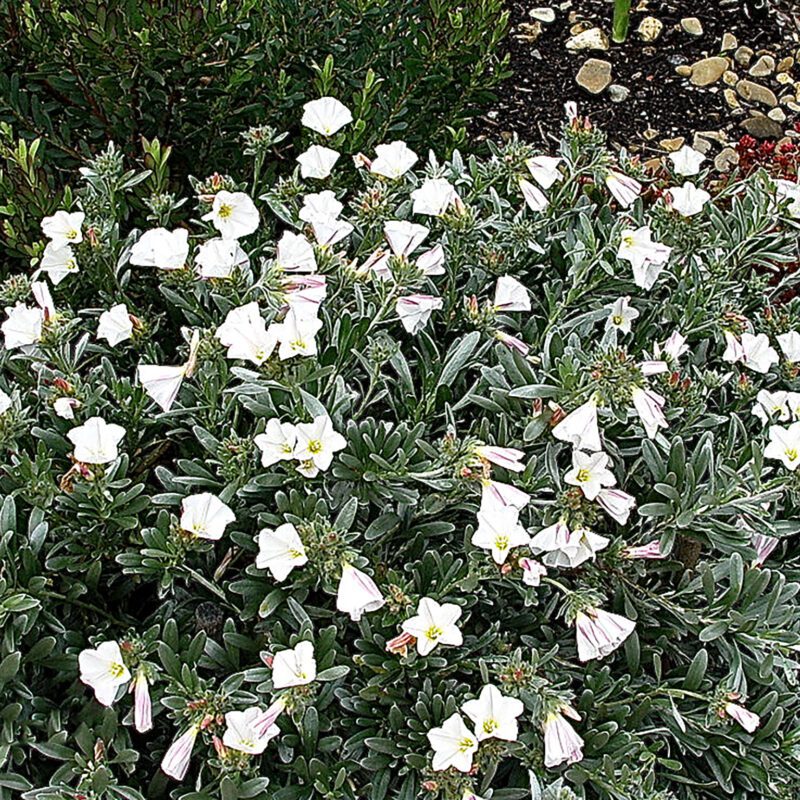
{"type": "Point", "coordinates": [622, 15]}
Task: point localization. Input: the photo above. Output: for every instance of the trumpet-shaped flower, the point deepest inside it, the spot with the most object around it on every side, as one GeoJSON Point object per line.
{"type": "Point", "coordinates": [434, 624]}
{"type": "Point", "coordinates": [220, 258]}
{"type": "Point", "coordinates": [494, 715]}
{"type": "Point", "coordinates": [790, 345]}
{"type": "Point", "coordinates": [246, 733]}
{"type": "Point", "coordinates": [161, 248]}
{"type": "Point", "coordinates": [431, 262]}
{"type": "Point", "coordinates": [5, 402]}
{"type": "Point", "coordinates": [617, 504]}
{"type": "Point", "coordinates": [104, 670]}
{"type": "Point", "coordinates": [562, 745]}
{"type": "Point", "coordinates": [621, 314]}
{"type": "Point", "coordinates": [453, 745]}
{"type": "Point", "coordinates": [162, 383]}
{"type": "Point", "coordinates": [415, 311]}
{"type": "Point", "coordinates": [277, 443]}
{"type": "Point", "coordinates": [600, 632]}
{"type": "Point", "coordinates": [686, 161]}
{"type": "Point", "coordinates": [772, 406]}
{"type": "Point", "coordinates": [649, 406]}
{"type": "Point", "coordinates": [534, 197]}
{"type": "Point", "coordinates": [294, 667]}
{"type": "Point", "coordinates": [320, 207]}
{"type": "Point", "coordinates": [393, 160]}
{"type": "Point", "coordinates": [624, 189]}
{"type": "Point", "coordinates": [317, 162]}
{"type": "Point", "coordinates": [64, 228]}
{"type": "Point", "coordinates": [567, 549]}
{"type": "Point", "coordinates": [673, 348]}
{"type": "Point", "coordinates": [545, 169]}
{"type": "Point", "coordinates": [747, 719]}
{"type": "Point", "coordinates": [205, 516]}
{"type": "Point", "coordinates": [499, 532]}
{"type": "Point", "coordinates": [326, 115]}
{"type": "Point", "coordinates": [115, 325]}
{"type": "Point", "coordinates": [317, 441]}
{"type": "Point", "coordinates": [590, 473]}
{"type": "Point", "coordinates": [496, 495]}
{"type": "Point", "coordinates": [507, 457]}
{"type": "Point", "coordinates": [280, 551]}
{"type": "Point", "coordinates": [246, 336]}
{"type": "Point", "coordinates": [96, 441]}
{"type": "Point", "coordinates": [647, 258]}
{"type": "Point", "coordinates": [511, 295]}
{"type": "Point", "coordinates": [296, 335]}
{"type": "Point", "coordinates": [233, 214]}
{"type": "Point", "coordinates": [754, 351]}
{"type": "Point", "coordinates": [176, 760]}
{"type": "Point", "coordinates": [65, 407]}
{"type": "Point", "coordinates": [142, 706]}
{"type": "Point", "coordinates": [404, 237]}
{"type": "Point", "coordinates": [357, 594]}
{"type": "Point", "coordinates": [295, 253]}
{"type": "Point", "coordinates": [579, 427]}
{"type": "Point", "coordinates": [22, 327]}
{"type": "Point", "coordinates": [58, 262]}
{"type": "Point", "coordinates": [434, 197]}
{"type": "Point", "coordinates": [687, 200]}
{"type": "Point", "coordinates": [784, 445]}
{"type": "Point", "coordinates": [532, 571]}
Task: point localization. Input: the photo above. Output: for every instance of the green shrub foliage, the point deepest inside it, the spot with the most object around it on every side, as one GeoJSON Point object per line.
{"type": "Point", "coordinates": [428, 423]}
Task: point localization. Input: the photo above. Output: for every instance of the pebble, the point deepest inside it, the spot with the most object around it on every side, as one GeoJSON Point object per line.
{"type": "Point", "coordinates": [763, 67]}
{"type": "Point", "coordinates": [700, 144]}
{"type": "Point", "coordinates": [730, 78]}
{"type": "Point", "coordinates": [726, 159]}
{"type": "Point", "coordinates": [756, 93]}
{"type": "Point", "coordinates": [529, 31]}
{"type": "Point", "coordinates": [543, 14]}
{"type": "Point", "coordinates": [708, 70]}
{"type": "Point", "coordinates": [593, 39]}
{"type": "Point", "coordinates": [684, 70]}
{"type": "Point", "coordinates": [672, 145]}
{"type": "Point", "coordinates": [743, 55]}
{"type": "Point", "coordinates": [784, 65]}
{"type": "Point", "coordinates": [762, 127]}
{"type": "Point", "coordinates": [728, 42]}
{"type": "Point", "coordinates": [783, 78]}
{"type": "Point", "coordinates": [594, 75]}
{"type": "Point", "coordinates": [650, 29]}
{"type": "Point", "coordinates": [650, 134]}
{"type": "Point", "coordinates": [731, 98]}
{"type": "Point", "coordinates": [692, 26]}
{"type": "Point", "coordinates": [778, 114]}
{"type": "Point", "coordinates": [618, 93]}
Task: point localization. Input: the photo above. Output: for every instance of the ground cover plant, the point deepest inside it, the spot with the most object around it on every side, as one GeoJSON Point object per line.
{"type": "Point", "coordinates": [403, 478]}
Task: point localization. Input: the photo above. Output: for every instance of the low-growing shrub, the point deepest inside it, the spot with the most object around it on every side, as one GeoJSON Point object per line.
{"type": "Point", "coordinates": [76, 75]}
{"type": "Point", "coordinates": [478, 480]}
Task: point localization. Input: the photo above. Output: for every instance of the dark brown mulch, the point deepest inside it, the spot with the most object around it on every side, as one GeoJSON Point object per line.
{"type": "Point", "coordinates": [530, 103]}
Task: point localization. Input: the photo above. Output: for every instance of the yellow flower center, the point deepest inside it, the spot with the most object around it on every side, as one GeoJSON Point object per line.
{"type": "Point", "coordinates": [490, 726]}
{"type": "Point", "coordinates": [286, 448]}
{"type": "Point", "coordinates": [628, 240]}
{"type": "Point", "coordinates": [617, 319]}
{"type": "Point", "coordinates": [501, 542]}
{"type": "Point", "coordinates": [791, 453]}
{"type": "Point", "coordinates": [73, 234]}
{"type": "Point", "coordinates": [295, 553]}
{"type": "Point", "coordinates": [433, 633]}
{"type": "Point", "coordinates": [225, 210]}
{"type": "Point", "coordinates": [116, 670]}
{"type": "Point", "coordinates": [315, 446]}
{"type": "Point", "coordinates": [583, 476]}
{"type": "Point", "coordinates": [247, 743]}
{"type": "Point", "coordinates": [71, 266]}
{"type": "Point", "coordinates": [298, 344]}
{"type": "Point", "coordinates": [465, 744]}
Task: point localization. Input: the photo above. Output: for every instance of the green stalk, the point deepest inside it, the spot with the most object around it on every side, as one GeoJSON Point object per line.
{"type": "Point", "coordinates": [622, 15]}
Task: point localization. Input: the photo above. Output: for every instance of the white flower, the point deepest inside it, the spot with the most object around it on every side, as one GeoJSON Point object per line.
{"type": "Point", "coordinates": [687, 200]}
{"type": "Point", "coordinates": [673, 348]}
{"type": "Point", "coordinates": [176, 760]}
{"type": "Point", "coordinates": [788, 190]}
{"type": "Point", "coordinates": [624, 188]}
{"type": "Point", "coordinates": [453, 745]}
{"type": "Point", "coordinates": [317, 441]}
{"type": "Point", "coordinates": [567, 549]}
{"type": "Point", "coordinates": [590, 473]}
{"type": "Point", "coordinates": [41, 294]}
{"type": "Point", "coordinates": [757, 353]}
{"type": "Point", "coordinates": [296, 335]}
{"type": "Point", "coordinates": [161, 248]}
{"type": "Point", "coordinates": [357, 593]}
{"type": "Point", "coordinates": [104, 670]}
{"type": "Point", "coordinates": [393, 160]}
{"type": "Point", "coordinates": [331, 231]}
{"type": "Point", "coordinates": [647, 258]}
{"type": "Point", "coordinates": [431, 262]}
{"type": "Point", "coordinates": [5, 402]}
{"type": "Point", "coordinates": [496, 495]}
{"type": "Point", "coordinates": [58, 262]}
{"type": "Point", "coordinates": [415, 310]}
{"type": "Point", "coordinates": [686, 161]}
{"type": "Point", "coordinates": [784, 445]}
{"type": "Point", "coordinates": [579, 427]}
{"type": "Point", "coordinates": [434, 624]}
{"type": "Point", "coordinates": [511, 295]}
{"type": "Point", "coordinates": [280, 551]}
{"type": "Point", "coordinates": [771, 406]}
{"type": "Point", "coordinates": [621, 315]}
{"type": "Point", "coordinates": [294, 253]}
{"type": "Point", "coordinates": [64, 228]}
{"type": "Point", "coordinates": [305, 294]}
{"type": "Point", "coordinates": [790, 345]}
{"type": "Point", "coordinates": [205, 516]}
{"type": "Point", "coordinates": [494, 715]}
{"type": "Point", "coordinates": [649, 406]}
{"type": "Point", "coordinates": [499, 531]}
{"type": "Point", "coordinates": [245, 334]}
{"type": "Point", "coordinates": [327, 115]}
{"type": "Point", "coordinates": [317, 161]}
{"type": "Point", "coordinates": [65, 407]}
{"type": "Point", "coordinates": [404, 237]}
{"type": "Point", "coordinates": [247, 732]}
{"type": "Point", "coordinates": [562, 745]}
{"type": "Point", "coordinates": [96, 441]}
{"type": "Point", "coordinates": [320, 207]}
{"type": "Point", "coordinates": [162, 383]}
{"type": "Point", "coordinates": [142, 707]}
{"type": "Point", "coordinates": [277, 442]}
{"type": "Point", "coordinates": [23, 326]}
{"type": "Point", "coordinates": [434, 197]}
{"type": "Point", "coordinates": [233, 214]}
{"type": "Point", "coordinates": [599, 633]}
{"type": "Point", "coordinates": [295, 667]}
{"type": "Point", "coordinates": [532, 571]}
{"type": "Point", "coordinates": [220, 258]}
{"type": "Point", "coordinates": [508, 457]}
{"type": "Point", "coordinates": [544, 170]}
{"type": "Point", "coordinates": [617, 504]}
{"type": "Point", "coordinates": [115, 325]}
{"type": "Point", "coordinates": [747, 719]}
{"type": "Point", "coordinates": [534, 197]}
